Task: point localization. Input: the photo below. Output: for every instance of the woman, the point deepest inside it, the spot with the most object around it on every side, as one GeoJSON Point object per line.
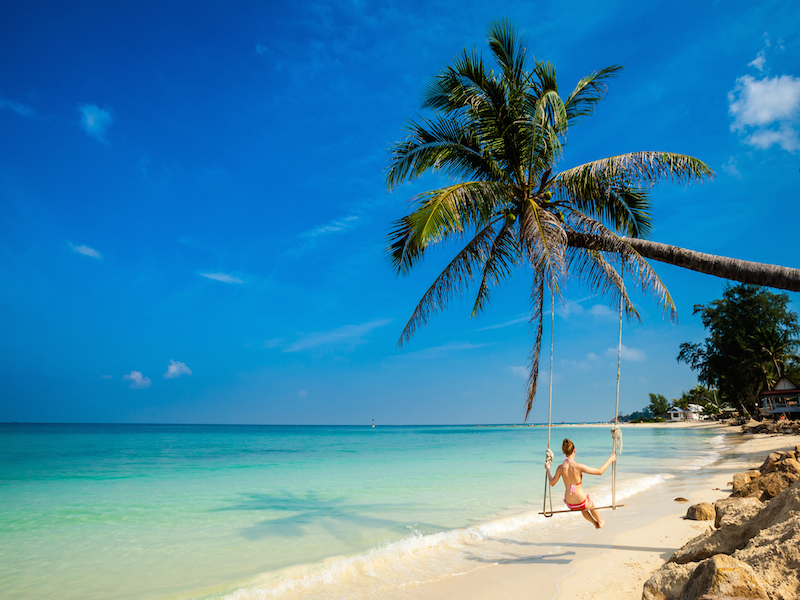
{"type": "Point", "coordinates": [572, 472]}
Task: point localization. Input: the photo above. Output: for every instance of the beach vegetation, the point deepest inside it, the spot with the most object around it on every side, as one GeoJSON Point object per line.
{"type": "Point", "coordinates": [700, 396]}
{"type": "Point", "coordinates": [659, 405]}
{"type": "Point", "coordinates": [752, 341]}
{"type": "Point", "coordinates": [498, 136]}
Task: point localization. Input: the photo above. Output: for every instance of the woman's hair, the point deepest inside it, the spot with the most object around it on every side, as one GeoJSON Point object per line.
{"type": "Point", "coordinates": [567, 447]}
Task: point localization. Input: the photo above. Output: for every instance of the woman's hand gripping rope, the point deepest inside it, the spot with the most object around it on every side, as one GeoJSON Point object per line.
{"type": "Point", "coordinates": [548, 460]}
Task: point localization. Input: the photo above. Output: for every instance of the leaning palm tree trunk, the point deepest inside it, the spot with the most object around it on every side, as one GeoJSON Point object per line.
{"type": "Point", "coordinates": [744, 271]}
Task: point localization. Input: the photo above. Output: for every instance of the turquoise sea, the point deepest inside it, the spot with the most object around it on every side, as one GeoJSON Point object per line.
{"type": "Point", "coordinates": [187, 511]}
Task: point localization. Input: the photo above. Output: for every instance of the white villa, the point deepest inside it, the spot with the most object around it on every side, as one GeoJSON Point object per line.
{"type": "Point", "coordinates": [692, 413]}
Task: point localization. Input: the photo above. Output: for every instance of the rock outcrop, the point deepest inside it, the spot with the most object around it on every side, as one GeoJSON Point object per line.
{"type": "Point", "coordinates": [668, 582]}
{"type": "Point", "coordinates": [777, 473]}
{"type": "Point", "coordinates": [734, 511]}
{"type": "Point", "coordinates": [754, 552]}
{"type": "Point", "coordinates": [701, 512]}
{"type": "Point", "coordinates": [781, 426]}
{"type": "Point", "coordinates": [723, 575]}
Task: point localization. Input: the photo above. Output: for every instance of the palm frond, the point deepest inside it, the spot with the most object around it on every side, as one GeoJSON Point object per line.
{"type": "Point", "coordinates": [403, 251]}
{"type": "Point", "coordinates": [442, 214]}
{"type": "Point", "coordinates": [543, 239]}
{"type": "Point", "coordinates": [638, 170]}
{"type": "Point", "coordinates": [452, 281]}
{"type": "Point", "coordinates": [615, 189]}
{"type": "Point", "coordinates": [444, 145]}
{"type": "Point", "coordinates": [546, 75]}
{"type": "Point", "coordinates": [624, 208]}
{"type": "Point", "coordinates": [537, 316]}
{"type": "Point", "coordinates": [624, 256]}
{"type": "Point", "coordinates": [596, 273]}
{"type": "Point", "coordinates": [502, 258]}
{"type": "Point", "coordinates": [457, 86]}
{"type": "Point", "coordinates": [589, 91]}
{"type": "Point", "coordinates": [507, 47]}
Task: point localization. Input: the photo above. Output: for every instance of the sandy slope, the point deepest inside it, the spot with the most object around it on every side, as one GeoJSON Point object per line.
{"type": "Point", "coordinates": [615, 562]}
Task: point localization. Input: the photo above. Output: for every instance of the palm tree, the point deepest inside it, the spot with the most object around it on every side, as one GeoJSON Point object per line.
{"type": "Point", "coordinates": [771, 350]}
{"type": "Point", "coordinates": [500, 135]}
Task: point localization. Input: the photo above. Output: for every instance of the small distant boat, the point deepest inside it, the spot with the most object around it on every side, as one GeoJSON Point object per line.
{"type": "Point", "coordinates": [373, 422]}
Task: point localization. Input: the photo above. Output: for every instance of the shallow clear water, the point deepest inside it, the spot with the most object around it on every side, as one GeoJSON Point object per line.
{"type": "Point", "coordinates": [146, 511]}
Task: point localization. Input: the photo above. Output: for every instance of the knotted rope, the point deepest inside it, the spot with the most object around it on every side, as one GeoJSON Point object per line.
{"type": "Point", "coordinates": [616, 432]}
{"type": "Point", "coordinates": [549, 456]}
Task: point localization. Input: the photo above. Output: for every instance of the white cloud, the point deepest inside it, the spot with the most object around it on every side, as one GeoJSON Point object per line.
{"type": "Point", "coordinates": [17, 107]}
{"type": "Point", "coordinates": [175, 369]}
{"type": "Point", "coordinates": [575, 365]}
{"type": "Point", "coordinates": [85, 250]}
{"type": "Point", "coordinates": [591, 356]}
{"type": "Point", "coordinates": [273, 343]}
{"type": "Point", "coordinates": [601, 310]}
{"type": "Point", "coordinates": [506, 324]}
{"type": "Point", "coordinates": [95, 121]}
{"type": "Point", "coordinates": [521, 372]}
{"type": "Point", "coordinates": [767, 111]}
{"type": "Point", "coordinates": [759, 102]}
{"type": "Point", "coordinates": [138, 382]}
{"type": "Point", "coordinates": [786, 137]}
{"type": "Point", "coordinates": [758, 61]}
{"type": "Point", "coordinates": [302, 393]}
{"type": "Point", "coordinates": [223, 277]}
{"type": "Point", "coordinates": [569, 308]}
{"type": "Point", "coordinates": [335, 226]}
{"type": "Point", "coordinates": [438, 351]}
{"type": "Point", "coordinates": [352, 335]}
{"type": "Point", "coordinates": [261, 50]}
{"type": "Point", "coordinates": [632, 354]}
{"type": "Point", "coordinates": [732, 168]}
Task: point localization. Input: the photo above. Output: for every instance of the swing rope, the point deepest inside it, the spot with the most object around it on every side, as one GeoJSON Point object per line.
{"type": "Point", "coordinates": [549, 456]}
{"type": "Point", "coordinates": [616, 432]}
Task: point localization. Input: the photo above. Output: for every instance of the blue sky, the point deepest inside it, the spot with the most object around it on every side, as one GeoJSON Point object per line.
{"type": "Point", "coordinates": [194, 210]}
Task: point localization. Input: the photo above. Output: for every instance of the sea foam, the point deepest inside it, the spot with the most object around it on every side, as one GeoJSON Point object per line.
{"type": "Point", "coordinates": [422, 557]}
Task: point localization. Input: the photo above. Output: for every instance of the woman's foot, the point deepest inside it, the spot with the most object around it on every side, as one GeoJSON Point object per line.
{"type": "Point", "coordinates": [599, 524]}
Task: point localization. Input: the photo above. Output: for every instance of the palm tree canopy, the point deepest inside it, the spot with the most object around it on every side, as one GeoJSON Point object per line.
{"type": "Point", "coordinates": [499, 135]}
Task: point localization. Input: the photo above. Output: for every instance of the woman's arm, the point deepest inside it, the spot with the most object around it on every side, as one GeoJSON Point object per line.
{"type": "Point", "coordinates": [552, 478]}
{"type": "Point", "coordinates": [601, 470]}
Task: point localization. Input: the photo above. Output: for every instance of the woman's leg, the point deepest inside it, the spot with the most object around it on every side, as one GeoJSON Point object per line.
{"type": "Point", "coordinates": [588, 516]}
{"type": "Point", "coordinates": [595, 518]}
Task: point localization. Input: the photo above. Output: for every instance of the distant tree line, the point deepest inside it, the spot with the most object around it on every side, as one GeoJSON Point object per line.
{"type": "Point", "coordinates": [752, 342]}
{"type": "Point", "coordinates": [659, 405]}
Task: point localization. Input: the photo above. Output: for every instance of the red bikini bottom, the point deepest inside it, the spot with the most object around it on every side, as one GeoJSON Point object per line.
{"type": "Point", "coordinates": [581, 506]}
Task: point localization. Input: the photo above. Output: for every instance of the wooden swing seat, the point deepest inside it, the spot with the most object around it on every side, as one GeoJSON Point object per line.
{"type": "Point", "coordinates": [553, 512]}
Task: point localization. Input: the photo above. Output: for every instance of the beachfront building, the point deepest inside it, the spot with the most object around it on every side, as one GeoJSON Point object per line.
{"type": "Point", "coordinates": [782, 400]}
{"type": "Point", "coordinates": [691, 413]}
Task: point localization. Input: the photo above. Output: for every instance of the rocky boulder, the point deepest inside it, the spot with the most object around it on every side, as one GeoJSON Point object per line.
{"type": "Point", "coordinates": [774, 461]}
{"type": "Point", "coordinates": [667, 583]}
{"type": "Point", "coordinates": [701, 512]}
{"type": "Point", "coordinates": [740, 480]}
{"type": "Point", "coordinates": [723, 575]}
{"type": "Point", "coordinates": [774, 555]}
{"type": "Point", "coordinates": [736, 535]}
{"type": "Point", "coordinates": [734, 511]}
{"type": "Point", "coordinates": [771, 484]}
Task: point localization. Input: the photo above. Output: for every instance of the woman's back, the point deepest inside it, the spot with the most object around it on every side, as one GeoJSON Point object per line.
{"type": "Point", "coordinates": [573, 477]}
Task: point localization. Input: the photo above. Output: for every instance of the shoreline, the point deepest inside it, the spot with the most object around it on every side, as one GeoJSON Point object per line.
{"type": "Point", "coordinates": [621, 575]}
{"type": "Point", "coordinates": [637, 540]}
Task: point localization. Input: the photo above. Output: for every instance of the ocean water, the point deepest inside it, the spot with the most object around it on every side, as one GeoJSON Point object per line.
{"type": "Point", "coordinates": [162, 511]}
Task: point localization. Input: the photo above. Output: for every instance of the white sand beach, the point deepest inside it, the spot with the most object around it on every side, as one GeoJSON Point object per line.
{"type": "Point", "coordinates": [612, 563]}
